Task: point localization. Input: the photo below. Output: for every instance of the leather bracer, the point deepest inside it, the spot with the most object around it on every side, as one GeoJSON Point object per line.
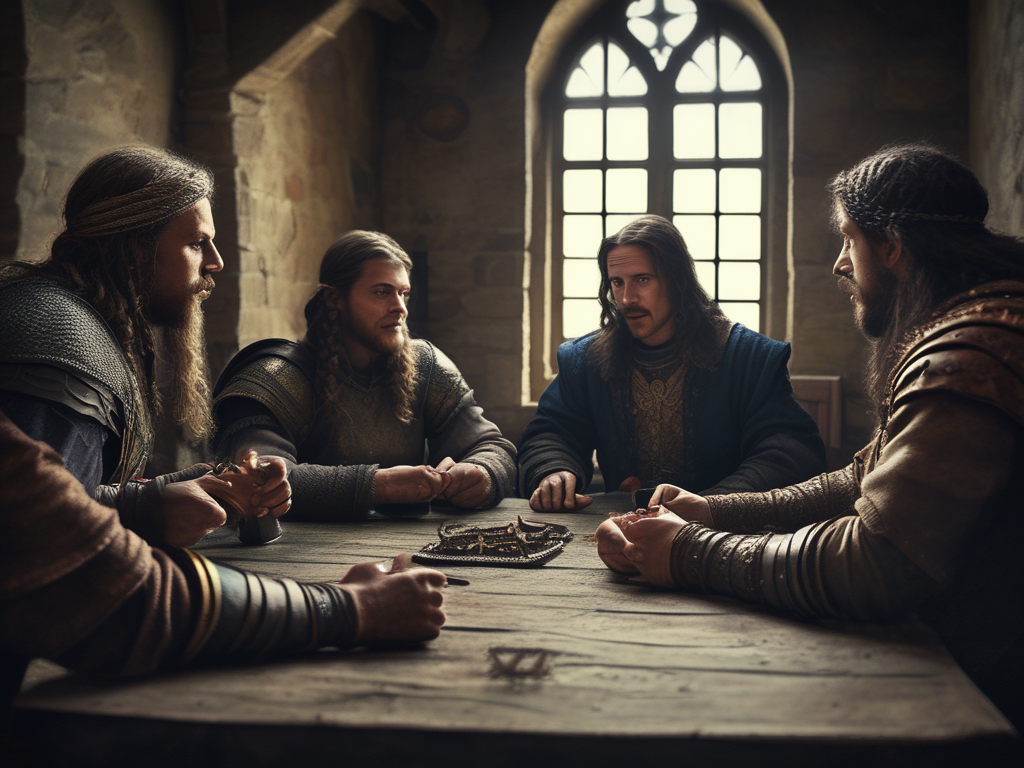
{"type": "Point", "coordinates": [247, 616]}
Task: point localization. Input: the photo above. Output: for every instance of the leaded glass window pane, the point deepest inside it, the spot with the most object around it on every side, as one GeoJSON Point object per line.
{"type": "Point", "coordinates": [739, 237]}
{"type": "Point", "coordinates": [740, 190]}
{"type": "Point", "coordinates": [580, 278]}
{"type": "Point", "coordinates": [738, 70]}
{"type": "Point", "coordinates": [581, 235]}
{"type": "Point", "coordinates": [699, 234]}
{"type": "Point", "coordinates": [693, 191]}
{"type": "Point", "coordinates": [581, 191]}
{"type": "Point", "coordinates": [580, 317]}
{"type": "Point", "coordinates": [739, 130]}
{"type": "Point", "coordinates": [693, 131]}
{"type": "Point", "coordinates": [627, 133]}
{"type": "Point", "coordinates": [614, 222]}
{"type": "Point", "coordinates": [661, 25]}
{"type": "Point", "coordinates": [587, 79]}
{"type": "Point", "coordinates": [739, 280]}
{"type": "Point", "coordinates": [748, 313]}
{"type": "Point", "coordinates": [624, 79]}
{"type": "Point", "coordinates": [700, 73]}
{"type": "Point", "coordinates": [626, 190]}
{"type": "Point", "coordinates": [583, 134]}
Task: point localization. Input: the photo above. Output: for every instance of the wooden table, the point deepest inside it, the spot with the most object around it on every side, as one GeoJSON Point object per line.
{"type": "Point", "coordinates": [635, 675]}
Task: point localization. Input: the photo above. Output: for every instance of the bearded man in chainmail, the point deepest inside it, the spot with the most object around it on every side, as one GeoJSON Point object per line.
{"type": "Point", "coordinates": [78, 338]}
{"type": "Point", "coordinates": [668, 390]}
{"type": "Point", "coordinates": [77, 348]}
{"type": "Point", "coordinates": [354, 406]}
{"type": "Point", "coordinates": [926, 520]}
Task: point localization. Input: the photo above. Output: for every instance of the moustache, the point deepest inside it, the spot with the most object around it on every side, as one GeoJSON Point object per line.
{"type": "Point", "coordinates": [204, 283]}
{"type": "Point", "coordinates": [847, 285]}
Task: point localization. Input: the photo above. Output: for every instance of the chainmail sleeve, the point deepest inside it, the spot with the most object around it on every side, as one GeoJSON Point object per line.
{"type": "Point", "coordinates": [787, 509]}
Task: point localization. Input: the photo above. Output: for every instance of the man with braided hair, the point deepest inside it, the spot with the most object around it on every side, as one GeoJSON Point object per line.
{"type": "Point", "coordinates": [926, 520]}
{"type": "Point", "coordinates": [153, 609]}
{"type": "Point", "coordinates": [356, 405]}
{"type": "Point", "coordinates": [78, 338]}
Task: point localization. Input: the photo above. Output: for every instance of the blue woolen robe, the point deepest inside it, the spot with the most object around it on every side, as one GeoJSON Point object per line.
{"type": "Point", "coordinates": [743, 429]}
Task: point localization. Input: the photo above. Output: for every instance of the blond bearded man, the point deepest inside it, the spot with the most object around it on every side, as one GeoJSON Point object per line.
{"type": "Point", "coordinates": [356, 405]}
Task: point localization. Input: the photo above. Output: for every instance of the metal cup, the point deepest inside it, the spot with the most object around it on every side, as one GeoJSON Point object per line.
{"type": "Point", "coordinates": [259, 530]}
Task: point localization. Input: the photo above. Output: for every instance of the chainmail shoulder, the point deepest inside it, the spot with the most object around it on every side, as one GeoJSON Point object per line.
{"type": "Point", "coordinates": [446, 391]}
{"type": "Point", "coordinates": [975, 348]}
{"type": "Point", "coordinates": [280, 386]}
{"type": "Point", "coordinates": [788, 509]}
{"type": "Point", "coordinates": [79, 392]}
{"type": "Point", "coordinates": [42, 323]}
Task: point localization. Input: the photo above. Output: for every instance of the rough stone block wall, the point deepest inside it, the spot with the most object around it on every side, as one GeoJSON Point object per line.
{"type": "Point", "coordinates": [453, 185]}
{"type": "Point", "coordinates": [307, 166]}
{"type": "Point", "coordinates": [864, 75]}
{"type": "Point", "coordinates": [99, 75]}
{"type": "Point", "coordinates": [997, 109]}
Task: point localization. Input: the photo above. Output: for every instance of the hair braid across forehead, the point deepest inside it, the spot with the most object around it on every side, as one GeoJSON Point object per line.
{"type": "Point", "coordinates": [908, 184]}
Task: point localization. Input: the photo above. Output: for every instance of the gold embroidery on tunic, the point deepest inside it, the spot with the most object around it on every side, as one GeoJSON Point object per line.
{"type": "Point", "coordinates": [657, 420]}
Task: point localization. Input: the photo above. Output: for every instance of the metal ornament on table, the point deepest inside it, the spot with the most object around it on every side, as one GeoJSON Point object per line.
{"type": "Point", "coordinates": [518, 544]}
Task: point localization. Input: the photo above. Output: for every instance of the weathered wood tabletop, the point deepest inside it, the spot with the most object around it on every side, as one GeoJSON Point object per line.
{"type": "Point", "coordinates": [566, 661]}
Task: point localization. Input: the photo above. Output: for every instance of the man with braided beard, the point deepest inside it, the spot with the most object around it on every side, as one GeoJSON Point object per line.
{"type": "Point", "coordinates": [78, 338]}
{"type": "Point", "coordinates": [355, 405]}
{"type": "Point", "coordinates": [926, 520]}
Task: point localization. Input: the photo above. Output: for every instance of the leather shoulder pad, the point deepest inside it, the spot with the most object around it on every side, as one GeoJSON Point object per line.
{"type": "Point", "coordinates": [982, 361]}
{"type": "Point", "coordinates": [82, 394]}
{"type": "Point", "coordinates": [279, 385]}
{"type": "Point", "coordinates": [446, 390]}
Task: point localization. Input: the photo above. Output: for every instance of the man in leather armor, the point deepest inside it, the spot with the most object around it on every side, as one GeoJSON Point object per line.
{"type": "Point", "coordinates": [78, 339]}
{"type": "Point", "coordinates": [927, 520]}
{"type": "Point", "coordinates": [354, 405]}
{"type": "Point", "coordinates": [668, 390]}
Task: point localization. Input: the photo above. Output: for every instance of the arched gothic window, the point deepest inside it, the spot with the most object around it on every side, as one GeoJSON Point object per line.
{"type": "Point", "coordinates": [661, 106]}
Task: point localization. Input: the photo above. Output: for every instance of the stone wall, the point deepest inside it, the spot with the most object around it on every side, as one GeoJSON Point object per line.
{"type": "Point", "coordinates": [453, 187]}
{"type": "Point", "coordinates": [99, 74]}
{"type": "Point", "coordinates": [308, 157]}
{"type": "Point", "coordinates": [864, 75]}
{"type": "Point", "coordinates": [997, 109]}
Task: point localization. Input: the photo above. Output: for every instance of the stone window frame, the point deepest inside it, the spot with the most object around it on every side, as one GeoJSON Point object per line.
{"type": "Point", "coordinates": [543, 289]}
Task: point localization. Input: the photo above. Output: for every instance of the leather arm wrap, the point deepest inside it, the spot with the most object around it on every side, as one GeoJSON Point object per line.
{"type": "Point", "coordinates": [138, 504]}
{"type": "Point", "coordinates": [833, 569]}
{"type": "Point", "coordinates": [252, 616]}
{"type": "Point", "coordinates": [787, 509]}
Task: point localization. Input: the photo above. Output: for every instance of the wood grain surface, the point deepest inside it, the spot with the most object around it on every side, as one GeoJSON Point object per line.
{"type": "Point", "coordinates": [566, 650]}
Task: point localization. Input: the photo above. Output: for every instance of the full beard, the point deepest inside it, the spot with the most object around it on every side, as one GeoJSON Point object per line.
{"type": "Point", "coordinates": [188, 387]}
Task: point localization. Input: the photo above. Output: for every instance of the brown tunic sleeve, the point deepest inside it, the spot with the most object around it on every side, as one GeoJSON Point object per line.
{"type": "Point", "coordinates": [68, 567]}
{"type": "Point", "coordinates": [942, 472]}
{"type": "Point", "coordinates": [787, 509]}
